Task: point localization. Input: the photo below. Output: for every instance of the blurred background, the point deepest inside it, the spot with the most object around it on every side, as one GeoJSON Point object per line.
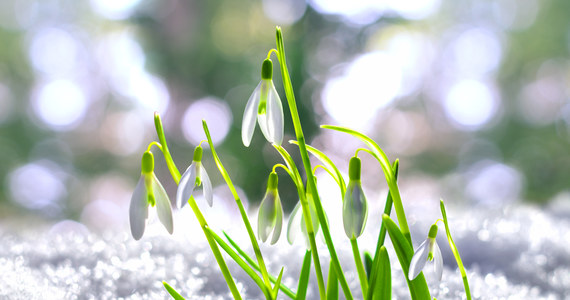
{"type": "Point", "coordinates": [472, 96]}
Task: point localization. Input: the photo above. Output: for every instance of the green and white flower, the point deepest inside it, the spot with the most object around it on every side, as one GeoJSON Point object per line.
{"type": "Point", "coordinates": [427, 251]}
{"type": "Point", "coordinates": [270, 215]}
{"type": "Point", "coordinates": [355, 206]}
{"type": "Point", "coordinates": [149, 191]}
{"type": "Point", "coordinates": [265, 106]}
{"type": "Point", "coordinates": [195, 175]}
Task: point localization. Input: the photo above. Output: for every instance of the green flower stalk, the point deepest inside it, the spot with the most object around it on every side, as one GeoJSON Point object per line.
{"type": "Point", "coordinates": [149, 191]}
{"type": "Point", "coordinates": [297, 221]}
{"type": "Point", "coordinates": [355, 206]}
{"type": "Point", "coordinates": [264, 105]}
{"type": "Point", "coordinates": [270, 217]}
{"type": "Point", "coordinates": [195, 175]}
{"type": "Point", "coordinates": [427, 251]}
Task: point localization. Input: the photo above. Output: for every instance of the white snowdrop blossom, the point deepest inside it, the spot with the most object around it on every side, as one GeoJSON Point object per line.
{"type": "Point", "coordinates": [195, 175]}
{"type": "Point", "coordinates": [355, 206]}
{"type": "Point", "coordinates": [264, 105]}
{"type": "Point", "coordinates": [270, 215]}
{"type": "Point", "coordinates": [427, 251]}
{"type": "Point", "coordinates": [149, 191]}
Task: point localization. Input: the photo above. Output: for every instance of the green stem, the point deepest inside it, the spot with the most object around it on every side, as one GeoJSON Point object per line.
{"type": "Point", "coordinates": [296, 177]}
{"type": "Point", "coordinates": [167, 157]}
{"type": "Point", "coordinates": [455, 251]}
{"type": "Point", "coordinates": [176, 176]}
{"type": "Point", "coordinates": [359, 267]}
{"type": "Point", "coordinates": [307, 163]}
{"type": "Point", "coordinates": [242, 211]}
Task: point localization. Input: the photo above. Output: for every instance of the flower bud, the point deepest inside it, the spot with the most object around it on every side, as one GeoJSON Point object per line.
{"type": "Point", "coordinates": [355, 206]}
{"type": "Point", "coordinates": [267, 69]}
{"type": "Point", "coordinates": [147, 163]}
{"type": "Point", "coordinates": [270, 215]}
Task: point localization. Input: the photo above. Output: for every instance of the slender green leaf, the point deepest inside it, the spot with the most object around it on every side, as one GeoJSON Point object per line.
{"type": "Point", "coordinates": [175, 295]}
{"type": "Point", "coordinates": [382, 234]}
{"type": "Point", "coordinates": [332, 284]}
{"type": "Point", "coordinates": [254, 265]}
{"type": "Point", "coordinates": [383, 290]}
{"type": "Point", "coordinates": [242, 211]}
{"type": "Point", "coordinates": [290, 95]}
{"type": "Point", "coordinates": [277, 284]}
{"type": "Point", "coordinates": [368, 263]}
{"type": "Point", "coordinates": [239, 261]}
{"type": "Point", "coordinates": [304, 276]}
{"type": "Point", "coordinates": [418, 287]}
{"type": "Point", "coordinates": [455, 251]}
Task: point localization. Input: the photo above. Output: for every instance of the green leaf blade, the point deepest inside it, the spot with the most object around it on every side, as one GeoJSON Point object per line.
{"type": "Point", "coordinates": [175, 295]}
{"type": "Point", "coordinates": [383, 284]}
{"type": "Point", "coordinates": [304, 276]}
{"type": "Point", "coordinates": [418, 287]}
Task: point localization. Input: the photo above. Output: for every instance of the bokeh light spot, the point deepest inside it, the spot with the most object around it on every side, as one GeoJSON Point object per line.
{"type": "Point", "coordinates": [60, 104]}
{"type": "Point", "coordinates": [371, 82]}
{"type": "Point", "coordinates": [114, 9]}
{"type": "Point", "coordinates": [285, 12]}
{"type": "Point", "coordinates": [216, 113]}
{"type": "Point", "coordinates": [37, 185]}
{"type": "Point", "coordinates": [54, 52]}
{"type": "Point", "coordinates": [123, 133]}
{"type": "Point", "coordinates": [414, 9]}
{"type": "Point", "coordinates": [494, 184]}
{"type": "Point", "coordinates": [475, 52]}
{"type": "Point", "coordinates": [470, 104]}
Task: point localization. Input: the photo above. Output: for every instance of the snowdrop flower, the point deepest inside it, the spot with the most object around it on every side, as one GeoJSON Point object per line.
{"type": "Point", "coordinates": [194, 176]}
{"type": "Point", "coordinates": [270, 216]}
{"type": "Point", "coordinates": [265, 106]}
{"type": "Point", "coordinates": [297, 221]}
{"type": "Point", "coordinates": [149, 191]}
{"type": "Point", "coordinates": [428, 250]}
{"type": "Point", "coordinates": [354, 207]}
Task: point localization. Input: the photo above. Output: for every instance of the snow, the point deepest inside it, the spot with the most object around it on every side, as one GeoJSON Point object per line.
{"type": "Point", "coordinates": [519, 252]}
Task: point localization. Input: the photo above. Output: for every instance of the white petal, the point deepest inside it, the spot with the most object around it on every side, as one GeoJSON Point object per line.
{"type": "Point", "coordinates": [278, 221]}
{"type": "Point", "coordinates": [293, 225]}
{"type": "Point", "coordinates": [249, 116]}
{"type": "Point", "coordinates": [162, 205]}
{"type": "Point", "coordinates": [274, 115]}
{"type": "Point", "coordinates": [206, 186]}
{"type": "Point", "coordinates": [419, 260]}
{"type": "Point", "coordinates": [437, 262]}
{"type": "Point", "coordinates": [354, 210]}
{"type": "Point", "coordinates": [262, 121]}
{"type": "Point", "coordinates": [266, 216]}
{"type": "Point", "coordinates": [138, 209]}
{"type": "Point", "coordinates": [262, 117]}
{"type": "Point", "coordinates": [186, 185]}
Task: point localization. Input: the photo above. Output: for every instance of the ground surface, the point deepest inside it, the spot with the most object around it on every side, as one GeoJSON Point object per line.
{"type": "Point", "coordinates": [513, 253]}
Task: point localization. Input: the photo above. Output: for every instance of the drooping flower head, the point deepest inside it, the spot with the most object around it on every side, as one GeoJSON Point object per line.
{"type": "Point", "coordinates": [149, 191]}
{"type": "Point", "coordinates": [427, 251]}
{"type": "Point", "coordinates": [355, 206]}
{"type": "Point", "coordinates": [264, 105]}
{"type": "Point", "coordinates": [270, 215]}
{"type": "Point", "coordinates": [195, 175]}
